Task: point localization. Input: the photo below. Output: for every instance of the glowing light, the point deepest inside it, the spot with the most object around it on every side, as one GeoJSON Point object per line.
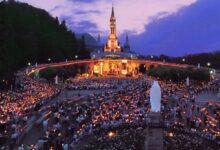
{"type": "Point", "coordinates": [208, 64]}
{"type": "Point", "coordinates": [101, 68]}
{"type": "Point", "coordinates": [170, 134]}
{"type": "Point", "coordinates": [124, 61]}
{"type": "Point", "coordinates": [111, 134]}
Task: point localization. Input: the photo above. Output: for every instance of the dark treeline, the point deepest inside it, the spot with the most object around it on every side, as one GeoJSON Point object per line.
{"type": "Point", "coordinates": [203, 58]}
{"type": "Point", "coordinates": [179, 74]}
{"type": "Point", "coordinates": [62, 72]}
{"type": "Point", "coordinates": [28, 34]}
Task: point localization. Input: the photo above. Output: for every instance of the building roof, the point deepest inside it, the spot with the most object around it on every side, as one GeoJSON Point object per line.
{"type": "Point", "coordinates": [127, 55]}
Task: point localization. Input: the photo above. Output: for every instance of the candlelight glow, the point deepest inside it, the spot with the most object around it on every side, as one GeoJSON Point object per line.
{"type": "Point", "coordinates": [111, 134]}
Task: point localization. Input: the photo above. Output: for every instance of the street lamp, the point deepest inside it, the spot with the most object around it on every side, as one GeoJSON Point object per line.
{"type": "Point", "coordinates": [49, 59]}
{"type": "Point", "coordinates": [76, 56]}
{"type": "Point", "coordinates": [151, 57]}
{"type": "Point", "coordinates": [29, 64]}
{"type": "Point", "coordinates": [183, 60]}
{"type": "Point", "coordinates": [211, 74]}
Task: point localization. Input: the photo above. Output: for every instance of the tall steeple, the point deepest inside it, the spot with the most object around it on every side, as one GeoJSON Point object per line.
{"type": "Point", "coordinates": [99, 39]}
{"type": "Point", "coordinates": [99, 44]}
{"type": "Point", "coordinates": [127, 44]}
{"type": "Point", "coordinates": [113, 22]}
{"type": "Point", "coordinates": [127, 41]}
{"type": "Point", "coordinates": [112, 44]}
{"type": "Point", "coordinates": [113, 13]}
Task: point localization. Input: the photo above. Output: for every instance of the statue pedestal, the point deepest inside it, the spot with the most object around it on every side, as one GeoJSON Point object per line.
{"type": "Point", "coordinates": [154, 132]}
{"type": "Point", "coordinates": [155, 117]}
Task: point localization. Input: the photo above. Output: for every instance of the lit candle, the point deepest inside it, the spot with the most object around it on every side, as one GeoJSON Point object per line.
{"type": "Point", "coordinates": [111, 134]}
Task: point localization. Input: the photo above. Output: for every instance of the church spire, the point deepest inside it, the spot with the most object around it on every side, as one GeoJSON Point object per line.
{"type": "Point", "coordinates": [127, 40]}
{"type": "Point", "coordinates": [127, 44]}
{"type": "Point", "coordinates": [99, 39]}
{"type": "Point", "coordinates": [113, 13]}
{"type": "Point", "coordinates": [112, 44]}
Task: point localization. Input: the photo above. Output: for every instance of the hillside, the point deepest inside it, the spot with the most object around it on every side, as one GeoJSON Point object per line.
{"type": "Point", "coordinates": [28, 34]}
{"type": "Point", "coordinates": [91, 43]}
{"type": "Point", "coordinates": [89, 40]}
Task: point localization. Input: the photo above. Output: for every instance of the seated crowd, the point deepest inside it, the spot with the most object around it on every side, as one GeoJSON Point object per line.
{"type": "Point", "coordinates": [113, 119]}
{"type": "Point", "coordinates": [18, 106]}
{"type": "Point", "coordinates": [75, 124]}
{"type": "Point", "coordinates": [91, 84]}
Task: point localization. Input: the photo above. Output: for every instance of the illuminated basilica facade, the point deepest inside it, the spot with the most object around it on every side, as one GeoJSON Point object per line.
{"type": "Point", "coordinates": [115, 59]}
{"type": "Point", "coordinates": [112, 59]}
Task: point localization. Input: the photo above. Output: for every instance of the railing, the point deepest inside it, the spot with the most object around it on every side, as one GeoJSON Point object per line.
{"type": "Point", "coordinates": [73, 62]}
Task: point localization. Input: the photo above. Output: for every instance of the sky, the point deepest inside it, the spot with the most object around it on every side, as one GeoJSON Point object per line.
{"type": "Point", "coordinates": [171, 27]}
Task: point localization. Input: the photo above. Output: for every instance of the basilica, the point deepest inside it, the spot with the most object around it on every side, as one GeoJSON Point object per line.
{"type": "Point", "coordinates": [112, 48]}
{"type": "Point", "coordinates": [114, 59]}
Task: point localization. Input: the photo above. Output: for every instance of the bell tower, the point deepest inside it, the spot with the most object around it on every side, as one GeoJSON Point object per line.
{"type": "Point", "coordinates": [112, 44]}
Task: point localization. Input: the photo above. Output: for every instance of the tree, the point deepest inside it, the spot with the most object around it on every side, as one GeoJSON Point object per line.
{"type": "Point", "coordinates": [28, 34]}
{"type": "Point", "coordinates": [83, 52]}
{"type": "Point", "coordinates": [179, 74]}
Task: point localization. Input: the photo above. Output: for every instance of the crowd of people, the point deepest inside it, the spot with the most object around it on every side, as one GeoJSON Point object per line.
{"type": "Point", "coordinates": [73, 123]}
{"type": "Point", "coordinates": [113, 119]}
{"type": "Point", "coordinates": [183, 110]}
{"type": "Point", "coordinates": [70, 122]}
{"type": "Point", "coordinates": [121, 138]}
{"type": "Point", "coordinates": [90, 84]}
{"type": "Point", "coordinates": [18, 106]}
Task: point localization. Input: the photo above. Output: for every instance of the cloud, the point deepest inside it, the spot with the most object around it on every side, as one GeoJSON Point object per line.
{"type": "Point", "coordinates": [132, 15]}
{"type": "Point", "coordinates": [191, 30]}
{"type": "Point", "coordinates": [87, 12]}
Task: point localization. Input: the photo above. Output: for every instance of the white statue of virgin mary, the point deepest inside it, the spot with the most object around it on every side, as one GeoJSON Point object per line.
{"type": "Point", "coordinates": [155, 97]}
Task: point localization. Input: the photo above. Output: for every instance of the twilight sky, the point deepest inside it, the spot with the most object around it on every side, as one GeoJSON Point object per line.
{"type": "Point", "coordinates": [172, 27]}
